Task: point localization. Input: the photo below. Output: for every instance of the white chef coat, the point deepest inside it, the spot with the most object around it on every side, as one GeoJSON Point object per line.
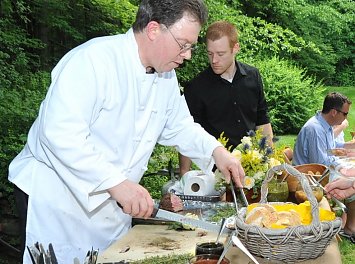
{"type": "Point", "coordinates": [98, 126]}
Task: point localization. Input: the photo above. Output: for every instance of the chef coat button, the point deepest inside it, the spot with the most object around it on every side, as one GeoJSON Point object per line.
{"type": "Point", "coordinates": [129, 171]}
{"type": "Point", "coordinates": [141, 108]}
{"type": "Point", "coordinates": [149, 140]}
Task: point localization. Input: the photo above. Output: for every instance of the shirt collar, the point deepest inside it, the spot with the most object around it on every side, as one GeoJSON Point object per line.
{"type": "Point", "coordinates": [323, 122]}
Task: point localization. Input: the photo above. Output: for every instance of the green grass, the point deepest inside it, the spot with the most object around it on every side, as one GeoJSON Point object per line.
{"type": "Point", "coordinates": [347, 251]}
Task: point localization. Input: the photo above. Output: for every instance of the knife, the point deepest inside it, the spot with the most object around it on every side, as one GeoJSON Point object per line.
{"type": "Point", "coordinates": [160, 213]}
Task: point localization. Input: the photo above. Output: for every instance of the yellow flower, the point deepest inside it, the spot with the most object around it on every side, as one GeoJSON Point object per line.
{"type": "Point", "coordinates": [274, 162]}
{"type": "Point", "coordinates": [249, 182]}
{"type": "Point", "coordinates": [256, 155]}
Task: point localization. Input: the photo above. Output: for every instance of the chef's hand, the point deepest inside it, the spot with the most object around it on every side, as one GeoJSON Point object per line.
{"type": "Point", "coordinates": [341, 188]}
{"type": "Point", "coordinates": [134, 199]}
{"type": "Point", "coordinates": [229, 165]}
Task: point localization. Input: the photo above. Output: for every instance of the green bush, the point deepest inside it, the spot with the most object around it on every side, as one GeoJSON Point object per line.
{"type": "Point", "coordinates": [160, 159]}
{"type": "Point", "coordinates": [328, 24]}
{"type": "Point", "coordinates": [292, 96]}
{"type": "Point", "coordinates": [18, 109]}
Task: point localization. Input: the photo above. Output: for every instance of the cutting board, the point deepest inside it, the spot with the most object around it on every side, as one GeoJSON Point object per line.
{"type": "Point", "coordinates": [147, 241]}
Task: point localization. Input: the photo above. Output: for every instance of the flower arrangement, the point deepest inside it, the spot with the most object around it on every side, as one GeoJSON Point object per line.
{"type": "Point", "coordinates": [256, 158]}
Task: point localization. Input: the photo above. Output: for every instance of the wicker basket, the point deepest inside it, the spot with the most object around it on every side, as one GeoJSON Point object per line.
{"type": "Point", "coordinates": [291, 244]}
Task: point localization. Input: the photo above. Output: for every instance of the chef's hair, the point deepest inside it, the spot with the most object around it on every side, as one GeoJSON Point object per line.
{"type": "Point", "coordinates": [168, 12]}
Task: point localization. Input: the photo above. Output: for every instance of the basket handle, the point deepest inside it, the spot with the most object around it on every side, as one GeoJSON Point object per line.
{"type": "Point", "coordinates": [304, 183]}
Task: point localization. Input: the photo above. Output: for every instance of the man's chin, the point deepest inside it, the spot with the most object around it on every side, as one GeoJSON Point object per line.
{"type": "Point", "coordinates": [217, 71]}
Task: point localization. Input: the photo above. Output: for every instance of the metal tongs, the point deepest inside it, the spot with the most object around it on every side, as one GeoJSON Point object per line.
{"type": "Point", "coordinates": [233, 239]}
{"type": "Point", "coordinates": [235, 196]}
{"type": "Point", "coordinates": [317, 183]}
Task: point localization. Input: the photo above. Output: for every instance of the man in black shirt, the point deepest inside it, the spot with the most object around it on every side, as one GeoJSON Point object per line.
{"type": "Point", "coordinates": [228, 96]}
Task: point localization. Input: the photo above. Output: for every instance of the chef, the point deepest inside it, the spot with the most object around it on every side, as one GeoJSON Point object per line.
{"type": "Point", "coordinates": [110, 101]}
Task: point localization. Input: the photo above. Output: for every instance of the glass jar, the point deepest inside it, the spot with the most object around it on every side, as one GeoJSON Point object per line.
{"type": "Point", "coordinates": [209, 247]}
{"type": "Point", "coordinates": [207, 259]}
{"type": "Point", "coordinates": [277, 191]}
{"type": "Point", "coordinates": [301, 196]}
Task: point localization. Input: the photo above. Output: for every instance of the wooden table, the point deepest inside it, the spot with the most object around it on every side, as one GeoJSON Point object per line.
{"type": "Point", "coordinates": [141, 239]}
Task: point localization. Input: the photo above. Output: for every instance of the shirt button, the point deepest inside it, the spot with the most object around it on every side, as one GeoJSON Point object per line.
{"type": "Point", "coordinates": [238, 121]}
{"type": "Point", "coordinates": [234, 103]}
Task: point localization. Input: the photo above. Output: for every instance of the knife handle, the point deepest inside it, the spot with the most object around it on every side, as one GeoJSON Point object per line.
{"type": "Point", "coordinates": [154, 213]}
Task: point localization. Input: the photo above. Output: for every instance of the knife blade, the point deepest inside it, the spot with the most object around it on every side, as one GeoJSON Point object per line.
{"type": "Point", "coordinates": [160, 213]}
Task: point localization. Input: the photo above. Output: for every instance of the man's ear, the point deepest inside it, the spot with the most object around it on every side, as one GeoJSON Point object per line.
{"type": "Point", "coordinates": [236, 48]}
{"type": "Point", "coordinates": [153, 30]}
{"type": "Point", "coordinates": [333, 112]}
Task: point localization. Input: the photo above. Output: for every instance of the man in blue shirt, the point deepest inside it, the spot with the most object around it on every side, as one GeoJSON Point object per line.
{"type": "Point", "coordinates": [317, 135]}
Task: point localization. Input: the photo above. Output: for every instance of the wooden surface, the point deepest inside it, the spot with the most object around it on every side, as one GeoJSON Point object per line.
{"type": "Point", "coordinates": [141, 239]}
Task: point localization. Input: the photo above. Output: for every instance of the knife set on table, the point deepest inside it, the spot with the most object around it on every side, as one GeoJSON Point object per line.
{"type": "Point", "coordinates": [40, 256]}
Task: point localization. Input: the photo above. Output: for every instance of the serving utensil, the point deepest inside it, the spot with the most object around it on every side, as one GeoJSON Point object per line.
{"type": "Point", "coordinates": [234, 196]}
{"type": "Point", "coordinates": [324, 174]}
{"type": "Point", "coordinates": [223, 225]}
{"type": "Point", "coordinates": [226, 248]}
{"type": "Point", "coordinates": [245, 200]}
{"type": "Point", "coordinates": [316, 183]}
{"type": "Point", "coordinates": [240, 245]}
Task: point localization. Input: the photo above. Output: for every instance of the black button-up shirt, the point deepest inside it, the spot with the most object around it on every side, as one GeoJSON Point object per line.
{"type": "Point", "coordinates": [233, 108]}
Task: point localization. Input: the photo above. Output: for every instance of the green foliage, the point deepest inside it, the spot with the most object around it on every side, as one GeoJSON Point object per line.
{"type": "Point", "coordinates": [154, 184]}
{"type": "Point", "coordinates": [174, 259]}
{"type": "Point", "coordinates": [256, 36]}
{"type": "Point", "coordinates": [63, 25]}
{"type": "Point", "coordinates": [292, 96]}
{"type": "Point", "coordinates": [328, 24]}
{"type": "Point", "coordinates": [18, 109]}
{"type": "Point", "coordinates": [159, 161]}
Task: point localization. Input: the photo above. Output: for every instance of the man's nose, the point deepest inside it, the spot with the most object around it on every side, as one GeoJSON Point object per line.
{"type": "Point", "coordinates": [214, 59]}
{"type": "Point", "coordinates": [187, 54]}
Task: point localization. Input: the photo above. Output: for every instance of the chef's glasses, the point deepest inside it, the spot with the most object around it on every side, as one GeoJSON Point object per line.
{"type": "Point", "coordinates": [183, 47]}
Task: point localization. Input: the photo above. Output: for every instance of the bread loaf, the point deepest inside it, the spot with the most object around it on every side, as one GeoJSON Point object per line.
{"type": "Point", "coordinates": [264, 215]}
